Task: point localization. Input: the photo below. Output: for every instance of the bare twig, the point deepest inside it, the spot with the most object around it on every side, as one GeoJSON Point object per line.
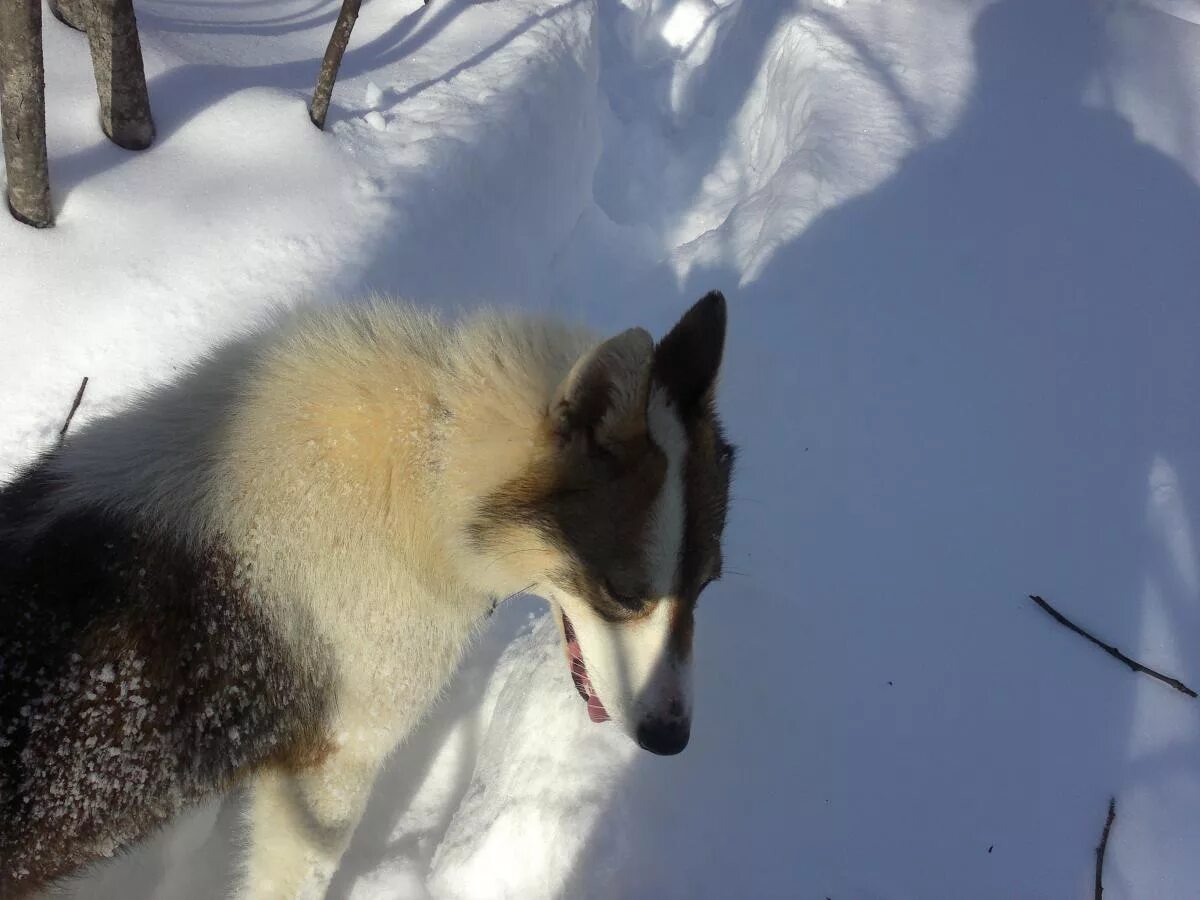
{"type": "Point", "coordinates": [1103, 846]}
{"type": "Point", "coordinates": [74, 406]}
{"type": "Point", "coordinates": [1111, 650]}
{"type": "Point", "coordinates": [333, 61]}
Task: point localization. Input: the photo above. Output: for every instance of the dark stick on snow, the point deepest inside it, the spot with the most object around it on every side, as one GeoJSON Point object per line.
{"type": "Point", "coordinates": [23, 112]}
{"type": "Point", "coordinates": [1111, 650]}
{"type": "Point", "coordinates": [338, 41]}
{"type": "Point", "coordinates": [120, 76]}
{"type": "Point", "coordinates": [62, 435]}
{"type": "Point", "coordinates": [1108, 823]}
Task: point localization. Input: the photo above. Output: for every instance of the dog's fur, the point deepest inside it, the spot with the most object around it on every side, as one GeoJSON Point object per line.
{"type": "Point", "coordinates": [266, 572]}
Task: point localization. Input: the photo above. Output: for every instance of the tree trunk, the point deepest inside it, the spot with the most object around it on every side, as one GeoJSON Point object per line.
{"type": "Point", "coordinates": [72, 13]}
{"type": "Point", "coordinates": [120, 77]}
{"type": "Point", "coordinates": [23, 111]}
{"type": "Point", "coordinates": [333, 61]}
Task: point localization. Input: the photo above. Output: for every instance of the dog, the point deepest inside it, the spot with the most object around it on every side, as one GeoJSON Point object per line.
{"type": "Point", "coordinates": [264, 573]}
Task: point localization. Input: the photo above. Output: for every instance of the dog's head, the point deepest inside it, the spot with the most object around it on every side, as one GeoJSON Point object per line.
{"type": "Point", "coordinates": [627, 504]}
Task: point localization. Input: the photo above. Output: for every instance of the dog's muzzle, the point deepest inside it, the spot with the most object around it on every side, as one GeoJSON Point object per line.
{"type": "Point", "coordinates": [664, 737]}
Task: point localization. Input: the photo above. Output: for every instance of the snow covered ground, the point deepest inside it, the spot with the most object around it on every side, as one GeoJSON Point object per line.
{"type": "Point", "coordinates": [960, 242]}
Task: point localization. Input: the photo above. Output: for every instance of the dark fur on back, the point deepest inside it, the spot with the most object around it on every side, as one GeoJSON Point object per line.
{"type": "Point", "coordinates": [137, 675]}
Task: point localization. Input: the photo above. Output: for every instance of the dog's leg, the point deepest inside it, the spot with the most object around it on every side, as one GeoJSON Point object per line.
{"type": "Point", "coordinates": [300, 823]}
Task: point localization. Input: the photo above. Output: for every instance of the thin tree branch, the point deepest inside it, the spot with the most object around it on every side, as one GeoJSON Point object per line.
{"type": "Point", "coordinates": [1111, 650]}
{"type": "Point", "coordinates": [338, 42]}
{"type": "Point", "coordinates": [1103, 846]}
{"type": "Point", "coordinates": [62, 435]}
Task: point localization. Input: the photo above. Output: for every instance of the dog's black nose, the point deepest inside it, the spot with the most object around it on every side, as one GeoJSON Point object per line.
{"type": "Point", "coordinates": [666, 738]}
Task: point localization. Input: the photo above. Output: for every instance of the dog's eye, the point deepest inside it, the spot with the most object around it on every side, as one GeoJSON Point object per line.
{"type": "Point", "coordinates": [622, 596]}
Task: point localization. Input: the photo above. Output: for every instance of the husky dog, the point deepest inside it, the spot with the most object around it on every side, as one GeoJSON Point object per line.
{"type": "Point", "coordinates": [265, 573]}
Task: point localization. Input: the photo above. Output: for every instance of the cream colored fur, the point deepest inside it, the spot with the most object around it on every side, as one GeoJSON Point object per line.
{"type": "Point", "coordinates": [356, 460]}
{"type": "Point", "coordinates": [342, 454]}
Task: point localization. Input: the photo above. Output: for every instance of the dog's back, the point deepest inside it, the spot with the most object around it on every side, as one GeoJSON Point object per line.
{"type": "Point", "coordinates": [162, 574]}
{"type": "Point", "coordinates": [134, 677]}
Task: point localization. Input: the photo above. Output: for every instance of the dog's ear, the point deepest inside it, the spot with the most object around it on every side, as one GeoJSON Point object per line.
{"type": "Point", "coordinates": [605, 393]}
{"type": "Point", "coordinates": [688, 359]}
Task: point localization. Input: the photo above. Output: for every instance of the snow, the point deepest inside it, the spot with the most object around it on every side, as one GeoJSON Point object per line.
{"type": "Point", "coordinates": [959, 242]}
